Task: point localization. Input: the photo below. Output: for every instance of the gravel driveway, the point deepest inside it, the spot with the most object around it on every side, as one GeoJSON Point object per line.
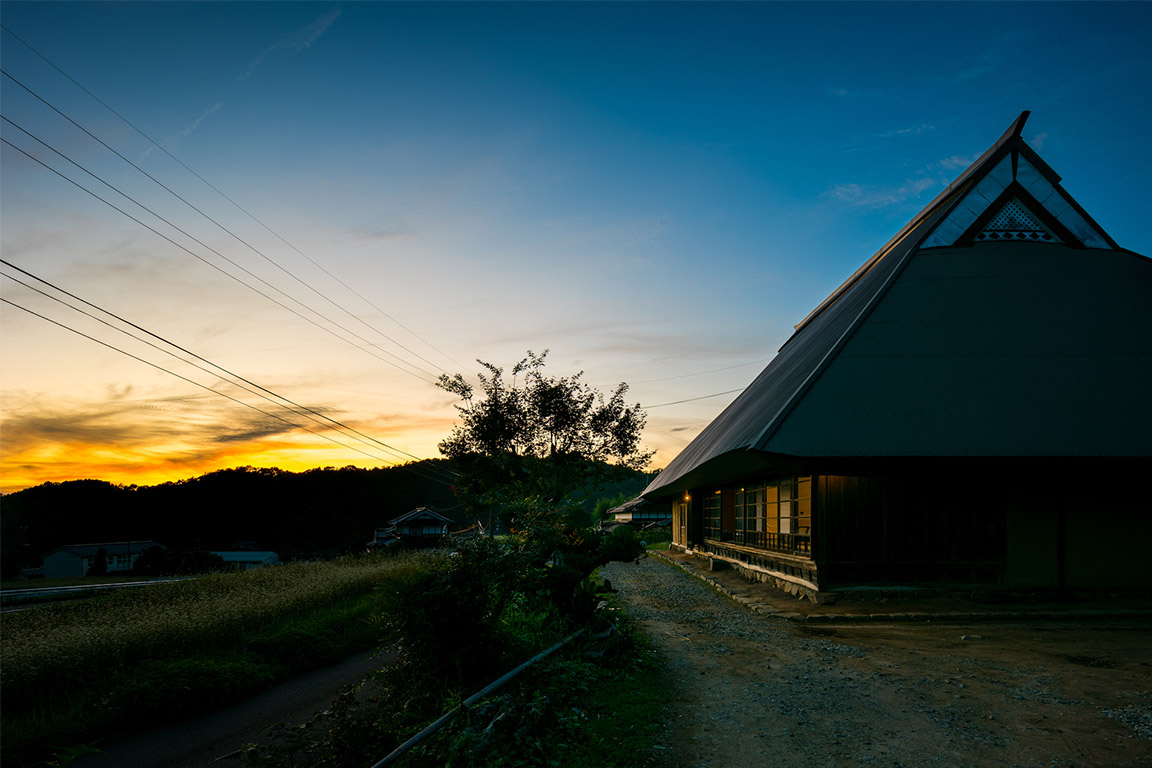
{"type": "Point", "coordinates": [749, 690]}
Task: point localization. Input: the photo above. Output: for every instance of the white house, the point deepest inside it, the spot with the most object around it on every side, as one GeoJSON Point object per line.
{"type": "Point", "coordinates": [73, 561]}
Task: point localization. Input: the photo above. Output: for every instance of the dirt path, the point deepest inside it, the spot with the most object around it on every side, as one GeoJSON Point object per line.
{"type": "Point", "coordinates": [200, 741]}
{"type": "Point", "coordinates": [756, 691]}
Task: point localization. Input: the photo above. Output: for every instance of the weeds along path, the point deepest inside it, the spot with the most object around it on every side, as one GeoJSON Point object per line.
{"type": "Point", "coordinates": [199, 741]}
{"type": "Point", "coordinates": [749, 690]}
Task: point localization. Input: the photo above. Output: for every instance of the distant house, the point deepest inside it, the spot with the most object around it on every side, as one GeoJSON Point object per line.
{"type": "Point", "coordinates": [421, 526]}
{"type": "Point", "coordinates": [642, 513]}
{"type": "Point", "coordinates": [73, 561]}
{"type": "Point", "coordinates": [248, 559]}
{"type": "Point", "coordinates": [970, 407]}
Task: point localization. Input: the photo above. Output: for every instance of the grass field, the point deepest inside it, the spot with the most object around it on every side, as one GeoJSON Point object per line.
{"type": "Point", "coordinates": [71, 673]}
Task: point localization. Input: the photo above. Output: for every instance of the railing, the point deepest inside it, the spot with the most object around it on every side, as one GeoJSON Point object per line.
{"type": "Point", "coordinates": [431, 729]}
{"type": "Point", "coordinates": [788, 543]}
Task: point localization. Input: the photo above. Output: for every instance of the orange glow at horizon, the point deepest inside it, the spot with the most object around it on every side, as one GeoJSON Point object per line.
{"type": "Point", "coordinates": [155, 465]}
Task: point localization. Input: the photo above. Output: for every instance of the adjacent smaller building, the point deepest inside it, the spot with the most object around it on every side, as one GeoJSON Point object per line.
{"type": "Point", "coordinates": [248, 560]}
{"type": "Point", "coordinates": [642, 513]}
{"type": "Point", "coordinates": [73, 561]}
{"type": "Point", "coordinates": [421, 527]}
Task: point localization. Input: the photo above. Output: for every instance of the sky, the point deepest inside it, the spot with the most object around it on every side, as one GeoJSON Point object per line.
{"type": "Point", "coordinates": [339, 202]}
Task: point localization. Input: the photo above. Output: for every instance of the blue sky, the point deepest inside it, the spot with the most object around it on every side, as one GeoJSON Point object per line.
{"type": "Point", "coordinates": [650, 190]}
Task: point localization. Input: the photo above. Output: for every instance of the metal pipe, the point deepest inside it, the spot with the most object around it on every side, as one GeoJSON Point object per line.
{"type": "Point", "coordinates": [437, 725]}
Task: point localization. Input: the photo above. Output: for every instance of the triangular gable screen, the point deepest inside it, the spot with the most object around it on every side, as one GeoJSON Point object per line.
{"type": "Point", "coordinates": [1015, 222]}
{"type": "Point", "coordinates": [1044, 201]}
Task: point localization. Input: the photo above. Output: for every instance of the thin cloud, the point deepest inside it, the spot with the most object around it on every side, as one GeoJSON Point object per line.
{"type": "Point", "coordinates": [865, 196]}
{"type": "Point", "coordinates": [186, 132]}
{"type": "Point", "coordinates": [150, 439]}
{"type": "Point", "coordinates": [196, 123]}
{"type": "Point", "coordinates": [298, 41]}
{"type": "Point", "coordinates": [954, 163]}
{"type": "Point", "coordinates": [913, 130]}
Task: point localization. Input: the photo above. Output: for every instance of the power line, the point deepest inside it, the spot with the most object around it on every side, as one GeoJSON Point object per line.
{"type": "Point", "coordinates": [302, 409]}
{"type": "Point", "coordinates": [209, 263]}
{"type": "Point", "coordinates": [186, 234]}
{"type": "Point", "coordinates": [691, 399]}
{"type": "Point", "coordinates": [241, 208]}
{"type": "Point", "coordinates": [701, 373]}
{"type": "Point", "coordinates": [209, 389]}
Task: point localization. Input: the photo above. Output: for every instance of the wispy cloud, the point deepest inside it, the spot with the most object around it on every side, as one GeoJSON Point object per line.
{"type": "Point", "coordinates": [299, 40]}
{"type": "Point", "coordinates": [954, 163]}
{"type": "Point", "coordinates": [913, 130]}
{"type": "Point", "coordinates": [1038, 140]}
{"type": "Point", "coordinates": [187, 131]}
{"type": "Point", "coordinates": [930, 177]}
{"type": "Point", "coordinates": [155, 439]}
{"type": "Point", "coordinates": [196, 123]}
{"type": "Point", "coordinates": [869, 196]}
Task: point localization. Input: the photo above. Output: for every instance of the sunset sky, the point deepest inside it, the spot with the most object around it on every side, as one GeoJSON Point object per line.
{"type": "Point", "coordinates": [357, 197]}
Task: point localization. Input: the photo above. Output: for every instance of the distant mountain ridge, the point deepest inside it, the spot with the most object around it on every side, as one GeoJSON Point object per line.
{"type": "Point", "coordinates": [318, 510]}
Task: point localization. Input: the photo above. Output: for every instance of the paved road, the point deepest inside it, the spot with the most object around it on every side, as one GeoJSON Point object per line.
{"type": "Point", "coordinates": [198, 742]}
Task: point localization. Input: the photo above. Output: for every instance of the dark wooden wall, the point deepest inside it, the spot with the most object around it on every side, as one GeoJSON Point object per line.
{"type": "Point", "coordinates": [1009, 523]}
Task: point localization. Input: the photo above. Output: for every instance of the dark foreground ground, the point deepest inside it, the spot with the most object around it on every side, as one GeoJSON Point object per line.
{"type": "Point", "coordinates": [198, 742]}
{"type": "Point", "coordinates": [766, 680]}
{"type": "Point", "coordinates": [754, 689]}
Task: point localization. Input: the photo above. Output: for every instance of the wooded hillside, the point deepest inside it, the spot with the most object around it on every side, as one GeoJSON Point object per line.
{"type": "Point", "coordinates": [291, 513]}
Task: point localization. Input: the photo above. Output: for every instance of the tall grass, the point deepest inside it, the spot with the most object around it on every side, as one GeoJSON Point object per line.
{"type": "Point", "coordinates": [69, 669]}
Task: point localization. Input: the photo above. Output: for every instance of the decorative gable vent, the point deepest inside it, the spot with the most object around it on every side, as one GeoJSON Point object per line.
{"type": "Point", "coordinates": [1016, 222]}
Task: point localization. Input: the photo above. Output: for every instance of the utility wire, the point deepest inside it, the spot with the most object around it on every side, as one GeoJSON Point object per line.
{"type": "Point", "coordinates": [252, 387]}
{"type": "Point", "coordinates": [691, 399]}
{"type": "Point", "coordinates": [701, 373]}
{"type": "Point", "coordinates": [214, 188]}
{"type": "Point", "coordinates": [202, 386]}
{"type": "Point", "coordinates": [213, 250]}
{"type": "Point", "coordinates": [209, 263]}
{"type": "Point", "coordinates": [230, 200]}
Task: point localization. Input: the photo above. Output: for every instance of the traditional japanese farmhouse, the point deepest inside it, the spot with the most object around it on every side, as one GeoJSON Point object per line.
{"type": "Point", "coordinates": [972, 406]}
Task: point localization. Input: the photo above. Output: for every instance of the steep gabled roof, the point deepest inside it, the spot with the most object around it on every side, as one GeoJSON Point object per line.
{"type": "Point", "coordinates": [910, 355]}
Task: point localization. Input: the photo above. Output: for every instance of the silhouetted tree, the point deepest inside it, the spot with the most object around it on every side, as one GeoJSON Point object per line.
{"type": "Point", "coordinates": [543, 417]}
{"type": "Point", "coordinates": [537, 436]}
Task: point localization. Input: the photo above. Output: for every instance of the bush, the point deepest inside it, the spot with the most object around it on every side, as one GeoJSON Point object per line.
{"type": "Point", "coordinates": [446, 621]}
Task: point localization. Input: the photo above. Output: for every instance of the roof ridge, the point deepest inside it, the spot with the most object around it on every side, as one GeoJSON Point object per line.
{"type": "Point", "coordinates": [949, 196]}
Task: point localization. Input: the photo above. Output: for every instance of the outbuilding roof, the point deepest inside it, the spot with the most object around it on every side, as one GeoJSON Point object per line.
{"type": "Point", "coordinates": [248, 556]}
{"type": "Point", "coordinates": [110, 548]}
{"type": "Point", "coordinates": [1001, 321]}
{"type": "Point", "coordinates": [420, 513]}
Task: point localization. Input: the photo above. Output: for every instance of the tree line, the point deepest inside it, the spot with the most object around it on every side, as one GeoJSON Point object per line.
{"type": "Point", "coordinates": [329, 510]}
